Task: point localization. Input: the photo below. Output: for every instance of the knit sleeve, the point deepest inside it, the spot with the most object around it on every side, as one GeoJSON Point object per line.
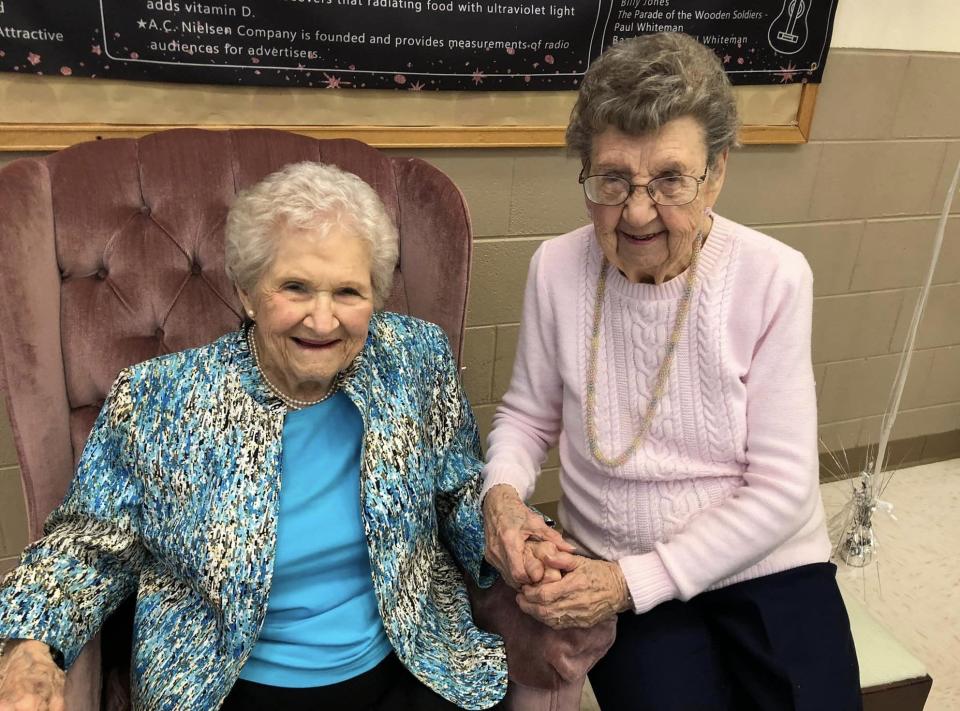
{"type": "Point", "coordinates": [459, 521]}
{"type": "Point", "coordinates": [527, 422]}
{"type": "Point", "coordinates": [70, 580]}
{"type": "Point", "coordinates": [781, 492]}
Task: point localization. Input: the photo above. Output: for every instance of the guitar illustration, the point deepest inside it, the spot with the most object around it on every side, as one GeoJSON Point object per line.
{"type": "Point", "coordinates": [788, 32]}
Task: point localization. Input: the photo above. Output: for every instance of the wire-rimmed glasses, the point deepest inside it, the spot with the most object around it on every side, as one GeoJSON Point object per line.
{"type": "Point", "coordinates": [614, 190]}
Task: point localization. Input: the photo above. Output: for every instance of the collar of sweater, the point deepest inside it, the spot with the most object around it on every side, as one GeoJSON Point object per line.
{"type": "Point", "coordinates": [713, 248]}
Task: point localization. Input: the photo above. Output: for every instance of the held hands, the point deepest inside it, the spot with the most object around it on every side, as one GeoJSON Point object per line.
{"type": "Point", "coordinates": [543, 562]}
{"type": "Point", "coordinates": [588, 591]}
{"type": "Point", "coordinates": [556, 587]}
{"type": "Point", "coordinates": [518, 539]}
{"type": "Point", "coordinates": [29, 678]}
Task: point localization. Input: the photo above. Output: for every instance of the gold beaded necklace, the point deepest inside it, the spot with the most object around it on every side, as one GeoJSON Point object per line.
{"type": "Point", "coordinates": [291, 402]}
{"type": "Point", "coordinates": [663, 374]}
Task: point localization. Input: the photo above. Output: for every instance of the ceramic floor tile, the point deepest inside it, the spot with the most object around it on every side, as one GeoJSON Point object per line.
{"type": "Point", "coordinates": [911, 587]}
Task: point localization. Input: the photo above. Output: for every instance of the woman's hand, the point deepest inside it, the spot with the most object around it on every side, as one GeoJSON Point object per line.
{"type": "Point", "coordinates": [29, 679]}
{"type": "Point", "coordinates": [543, 562]}
{"type": "Point", "coordinates": [589, 591]}
{"type": "Point", "coordinates": [509, 525]}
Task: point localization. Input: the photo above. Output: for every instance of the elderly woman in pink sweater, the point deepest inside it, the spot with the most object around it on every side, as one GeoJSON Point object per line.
{"type": "Point", "coordinates": [667, 350]}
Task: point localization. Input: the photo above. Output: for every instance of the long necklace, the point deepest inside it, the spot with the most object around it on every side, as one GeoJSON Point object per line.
{"type": "Point", "coordinates": [663, 374]}
{"type": "Point", "coordinates": [291, 402]}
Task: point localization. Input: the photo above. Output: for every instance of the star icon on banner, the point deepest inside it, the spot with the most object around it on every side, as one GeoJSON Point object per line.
{"type": "Point", "coordinates": [142, 24]}
{"type": "Point", "coordinates": [416, 86]}
{"type": "Point", "coordinates": [788, 73]}
{"type": "Point", "coordinates": [478, 76]}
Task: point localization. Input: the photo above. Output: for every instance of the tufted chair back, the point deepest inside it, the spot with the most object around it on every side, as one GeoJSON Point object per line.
{"type": "Point", "coordinates": [111, 252]}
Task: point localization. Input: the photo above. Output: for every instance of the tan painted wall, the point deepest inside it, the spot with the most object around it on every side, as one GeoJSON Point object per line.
{"type": "Point", "coordinates": [917, 25]}
{"type": "Point", "coordinates": [860, 200]}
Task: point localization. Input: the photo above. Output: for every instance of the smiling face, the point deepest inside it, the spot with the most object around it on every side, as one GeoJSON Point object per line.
{"type": "Point", "coordinates": [312, 308]}
{"type": "Point", "coordinates": [648, 242]}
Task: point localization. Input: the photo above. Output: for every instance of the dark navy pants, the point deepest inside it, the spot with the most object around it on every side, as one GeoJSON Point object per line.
{"type": "Point", "coordinates": [780, 642]}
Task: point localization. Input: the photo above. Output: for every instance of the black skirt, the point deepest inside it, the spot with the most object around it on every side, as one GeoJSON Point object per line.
{"type": "Point", "coordinates": [386, 687]}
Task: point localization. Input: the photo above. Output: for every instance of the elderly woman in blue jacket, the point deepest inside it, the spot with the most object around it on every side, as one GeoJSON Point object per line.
{"type": "Point", "coordinates": [289, 504]}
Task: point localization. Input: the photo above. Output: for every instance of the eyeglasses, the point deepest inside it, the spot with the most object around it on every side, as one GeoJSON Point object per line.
{"type": "Point", "coordinates": [613, 190]}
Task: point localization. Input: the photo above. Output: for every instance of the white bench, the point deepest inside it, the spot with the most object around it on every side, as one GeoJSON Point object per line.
{"type": "Point", "coordinates": [891, 678]}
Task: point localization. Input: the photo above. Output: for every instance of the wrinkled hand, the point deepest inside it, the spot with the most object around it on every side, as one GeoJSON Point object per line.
{"type": "Point", "coordinates": [29, 679]}
{"type": "Point", "coordinates": [509, 525]}
{"type": "Point", "coordinates": [539, 559]}
{"type": "Point", "coordinates": [589, 591]}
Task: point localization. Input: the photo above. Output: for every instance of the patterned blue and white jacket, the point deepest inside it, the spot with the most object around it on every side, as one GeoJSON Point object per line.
{"type": "Point", "coordinates": [176, 498]}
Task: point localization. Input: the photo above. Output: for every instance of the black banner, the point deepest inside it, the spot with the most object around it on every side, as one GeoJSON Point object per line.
{"type": "Point", "coordinates": [402, 44]}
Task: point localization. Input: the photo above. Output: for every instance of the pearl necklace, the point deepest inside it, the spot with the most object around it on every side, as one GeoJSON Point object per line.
{"type": "Point", "coordinates": [663, 374]}
{"type": "Point", "coordinates": [291, 402]}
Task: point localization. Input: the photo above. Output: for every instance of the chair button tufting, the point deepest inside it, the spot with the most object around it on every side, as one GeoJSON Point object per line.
{"type": "Point", "coordinates": [102, 273]}
{"type": "Point", "coordinates": [195, 268]}
{"type": "Point", "coordinates": [158, 334]}
{"type": "Point", "coordinates": [144, 209]}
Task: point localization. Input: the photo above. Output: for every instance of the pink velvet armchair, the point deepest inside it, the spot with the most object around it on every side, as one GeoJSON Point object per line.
{"type": "Point", "coordinates": [111, 252]}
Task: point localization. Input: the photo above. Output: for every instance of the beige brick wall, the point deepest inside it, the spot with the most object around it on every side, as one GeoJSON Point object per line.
{"type": "Point", "coordinates": [861, 200]}
{"type": "Point", "coordinates": [13, 520]}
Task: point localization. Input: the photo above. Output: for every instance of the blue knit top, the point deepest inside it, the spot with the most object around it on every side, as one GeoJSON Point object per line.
{"type": "Point", "coordinates": [322, 623]}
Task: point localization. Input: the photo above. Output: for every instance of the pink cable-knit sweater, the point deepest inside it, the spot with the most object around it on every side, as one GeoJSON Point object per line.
{"type": "Point", "coordinates": [725, 486]}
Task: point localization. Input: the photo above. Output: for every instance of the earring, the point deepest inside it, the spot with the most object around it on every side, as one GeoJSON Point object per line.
{"type": "Point", "coordinates": [250, 314]}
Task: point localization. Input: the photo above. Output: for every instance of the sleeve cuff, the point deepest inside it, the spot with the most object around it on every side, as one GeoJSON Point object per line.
{"type": "Point", "coordinates": [496, 475]}
{"type": "Point", "coordinates": [648, 581]}
{"type": "Point", "coordinates": [487, 575]}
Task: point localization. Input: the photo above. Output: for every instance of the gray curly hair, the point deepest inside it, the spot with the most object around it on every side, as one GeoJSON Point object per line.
{"type": "Point", "coordinates": [297, 196]}
{"type": "Point", "coordinates": [640, 84]}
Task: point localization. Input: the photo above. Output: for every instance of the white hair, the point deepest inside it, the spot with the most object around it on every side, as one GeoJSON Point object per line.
{"type": "Point", "coordinates": [302, 195]}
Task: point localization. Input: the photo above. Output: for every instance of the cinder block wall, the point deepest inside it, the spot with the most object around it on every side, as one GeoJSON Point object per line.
{"type": "Point", "coordinates": [861, 200]}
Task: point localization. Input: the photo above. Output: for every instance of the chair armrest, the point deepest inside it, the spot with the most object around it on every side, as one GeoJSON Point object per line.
{"type": "Point", "coordinates": [82, 691]}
